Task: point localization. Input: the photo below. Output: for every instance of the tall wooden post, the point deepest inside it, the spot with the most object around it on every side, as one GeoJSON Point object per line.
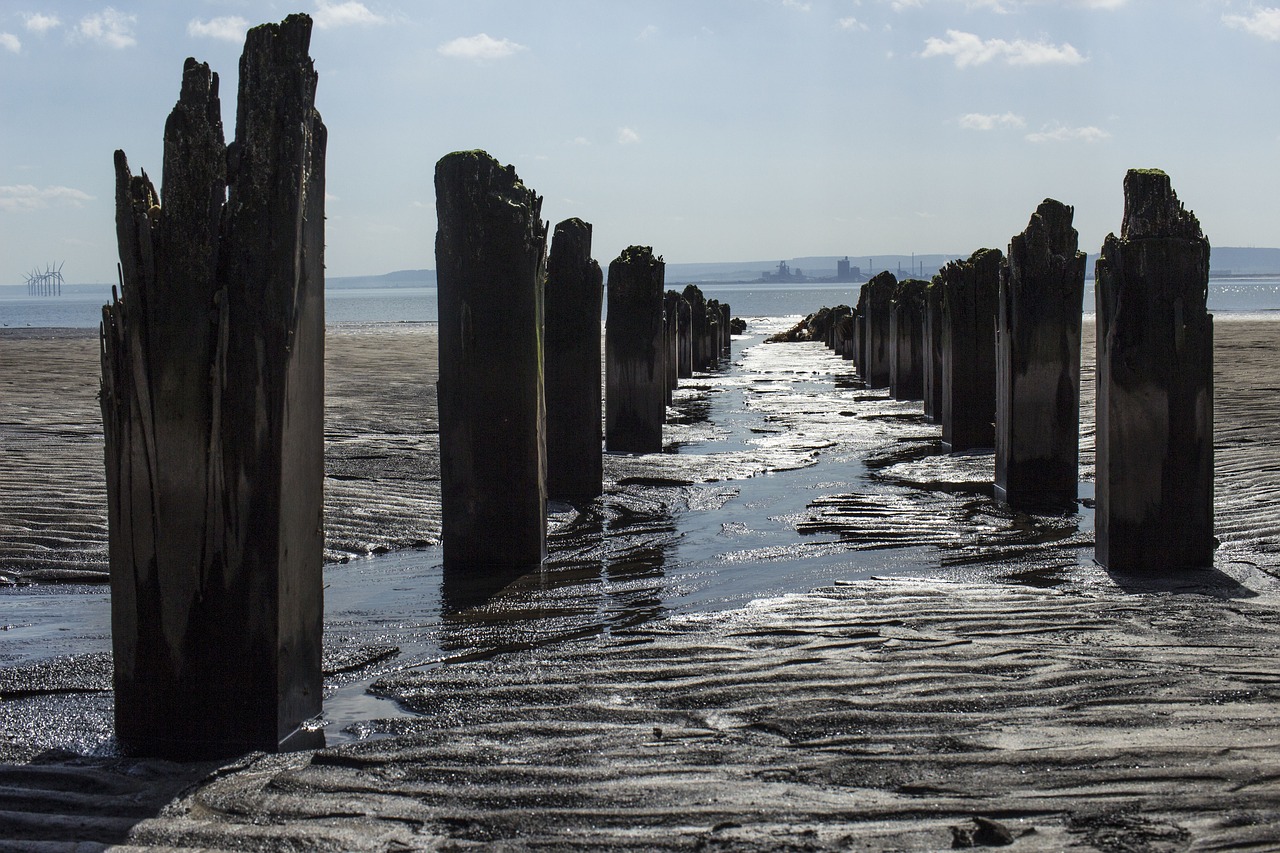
{"type": "Point", "coordinates": [933, 351]}
{"type": "Point", "coordinates": [712, 345]}
{"type": "Point", "coordinates": [490, 261]}
{"type": "Point", "coordinates": [698, 317]}
{"type": "Point", "coordinates": [635, 367]}
{"type": "Point", "coordinates": [1038, 363]}
{"type": "Point", "coordinates": [726, 329]}
{"type": "Point", "coordinates": [574, 293]}
{"type": "Point", "coordinates": [671, 346]}
{"type": "Point", "coordinates": [906, 341]}
{"type": "Point", "coordinates": [873, 304]}
{"type": "Point", "coordinates": [684, 339]}
{"type": "Point", "coordinates": [1155, 386]}
{"type": "Point", "coordinates": [213, 416]}
{"type": "Point", "coordinates": [969, 299]}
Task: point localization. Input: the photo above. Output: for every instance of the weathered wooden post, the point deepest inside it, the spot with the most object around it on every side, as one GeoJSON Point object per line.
{"type": "Point", "coordinates": [860, 334]}
{"type": "Point", "coordinates": [684, 339]}
{"type": "Point", "coordinates": [711, 345]}
{"type": "Point", "coordinates": [1038, 363]}
{"type": "Point", "coordinates": [933, 350]}
{"type": "Point", "coordinates": [969, 299]}
{"type": "Point", "coordinates": [635, 386]}
{"type": "Point", "coordinates": [873, 303]}
{"type": "Point", "coordinates": [574, 292]}
{"type": "Point", "coordinates": [839, 315]}
{"type": "Point", "coordinates": [906, 341]}
{"type": "Point", "coordinates": [490, 265]}
{"type": "Point", "coordinates": [698, 326]}
{"type": "Point", "coordinates": [1155, 386]}
{"type": "Point", "coordinates": [213, 417]}
{"type": "Point", "coordinates": [726, 329]}
{"type": "Point", "coordinates": [671, 341]}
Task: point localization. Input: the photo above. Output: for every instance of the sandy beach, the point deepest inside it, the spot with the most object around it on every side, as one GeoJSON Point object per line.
{"type": "Point", "coordinates": [959, 674]}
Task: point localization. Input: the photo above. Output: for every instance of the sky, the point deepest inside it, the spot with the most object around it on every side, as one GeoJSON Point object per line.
{"type": "Point", "coordinates": [711, 130]}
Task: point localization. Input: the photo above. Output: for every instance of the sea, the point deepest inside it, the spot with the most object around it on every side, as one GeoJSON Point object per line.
{"type": "Point", "coordinates": [80, 305]}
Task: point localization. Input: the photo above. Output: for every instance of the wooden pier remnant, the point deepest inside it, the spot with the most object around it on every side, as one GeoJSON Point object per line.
{"type": "Point", "coordinates": [1038, 363]}
{"type": "Point", "coordinates": [213, 417]}
{"type": "Point", "coordinates": [906, 341]}
{"type": "Point", "coordinates": [635, 364]}
{"type": "Point", "coordinates": [726, 330]}
{"type": "Point", "coordinates": [1155, 386]}
{"type": "Point", "coordinates": [933, 351]}
{"type": "Point", "coordinates": [684, 339]}
{"type": "Point", "coordinates": [698, 326]}
{"type": "Point", "coordinates": [671, 341]}
{"type": "Point", "coordinates": [490, 264]}
{"type": "Point", "coordinates": [573, 299]}
{"type": "Point", "coordinates": [713, 345]}
{"type": "Point", "coordinates": [969, 299]}
{"type": "Point", "coordinates": [873, 303]}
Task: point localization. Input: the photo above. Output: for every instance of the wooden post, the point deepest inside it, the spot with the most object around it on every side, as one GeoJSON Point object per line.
{"type": "Point", "coordinates": [684, 339]}
{"type": "Point", "coordinates": [1155, 386]}
{"type": "Point", "coordinates": [698, 326]}
{"type": "Point", "coordinates": [726, 329]}
{"type": "Point", "coordinates": [969, 298]}
{"type": "Point", "coordinates": [933, 351]}
{"type": "Point", "coordinates": [213, 416]}
{"type": "Point", "coordinates": [490, 263]}
{"type": "Point", "coordinates": [1038, 363]}
{"type": "Point", "coordinates": [906, 341]}
{"type": "Point", "coordinates": [671, 336]}
{"type": "Point", "coordinates": [574, 293]}
{"type": "Point", "coordinates": [713, 336]}
{"type": "Point", "coordinates": [635, 387]}
{"type": "Point", "coordinates": [873, 304]}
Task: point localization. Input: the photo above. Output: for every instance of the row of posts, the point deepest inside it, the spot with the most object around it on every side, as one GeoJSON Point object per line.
{"type": "Point", "coordinates": [213, 399]}
{"type": "Point", "coordinates": [213, 390]}
{"type": "Point", "coordinates": [991, 346]}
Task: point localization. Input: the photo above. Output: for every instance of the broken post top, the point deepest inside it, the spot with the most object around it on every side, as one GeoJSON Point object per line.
{"type": "Point", "coordinates": [269, 50]}
{"type": "Point", "coordinates": [1152, 209]}
{"type": "Point", "coordinates": [475, 181]}
{"type": "Point", "coordinates": [1050, 232]}
{"type": "Point", "coordinates": [638, 256]}
{"type": "Point", "coordinates": [909, 291]}
{"type": "Point", "coordinates": [570, 248]}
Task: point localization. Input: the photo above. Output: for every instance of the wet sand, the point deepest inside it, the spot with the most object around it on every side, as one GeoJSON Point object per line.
{"type": "Point", "coordinates": [616, 702]}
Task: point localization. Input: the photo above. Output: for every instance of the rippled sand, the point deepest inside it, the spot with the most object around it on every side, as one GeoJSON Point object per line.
{"type": "Point", "coordinates": [998, 686]}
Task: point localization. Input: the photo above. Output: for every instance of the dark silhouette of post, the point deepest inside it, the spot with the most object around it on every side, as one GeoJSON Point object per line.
{"type": "Point", "coordinates": [684, 339]}
{"type": "Point", "coordinates": [726, 329]}
{"type": "Point", "coordinates": [635, 366]}
{"type": "Point", "coordinates": [712, 344]}
{"type": "Point", "coordinates": [490, 264]}
{"type": "Point", "coordinates": [671, 341]}
{"type": "Point", "coordinates": [969, 300]}
{"type": "Point", "coordinates": [213, 417]}
{"type": "Point", "coordinates": [573, 297]}
{"type": "Point", "coordinates": [906, 341]}
{"type": "Point", "coordinates": [1038, 363]}
{"type": "Point", "coordinates": [933, 351]}
{"type": "Point", "coordinates": [873, 304]}
{"type": "Point", "coordinates": [1155, 386]}
{"type": "Point", "coordinates": [698, 326]}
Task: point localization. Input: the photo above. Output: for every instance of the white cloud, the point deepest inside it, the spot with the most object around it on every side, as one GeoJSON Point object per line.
{"type": "Point", "coordinates": [10, 42]}
{"type": "Point", "coordinates": [28, 197]}
{"type": "Point", "coordinates": [1069, 134]}
{"type": "Point", "coordinates": [109, 28]}
{"type": "Point", "coordinates": [480, 47]}
{"type": "Point", "coordinates": [1264, 23]}
{"type": "Point", "coordinates": [990, 121]}
{"type": "Point", "coordinates": [579, 140]}
{"type": "Point", "coordinates": [968, 49]}
{"type": "Point", "coordinates": [796, 4]}
{"type": "Point", "coordinates": [230, 28]}
{"type": "Point", "coordinates": [647, 33]}
{"type": "Point", "coordinates": [851, 24]}
{"type": "Point", "coordinates": [899, 5]}
{"type": "Point", "coordinates": [329, 14]}
{"type": "Point", "coordinates": [627, 136]}
{"type": "Point", "coordinates": [38, 23]}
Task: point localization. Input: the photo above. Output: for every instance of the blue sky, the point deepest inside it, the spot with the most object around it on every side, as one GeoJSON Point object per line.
{"type": "Point", "coordinates": [713, 131]}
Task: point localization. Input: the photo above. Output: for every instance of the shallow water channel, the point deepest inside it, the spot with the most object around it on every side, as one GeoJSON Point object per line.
{"type": "Point", "coordinates": [782, 473]}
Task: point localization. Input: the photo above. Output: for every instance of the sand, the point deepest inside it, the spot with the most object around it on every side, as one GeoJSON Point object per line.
{"type": "Point", "coordinates": [1033, 699]}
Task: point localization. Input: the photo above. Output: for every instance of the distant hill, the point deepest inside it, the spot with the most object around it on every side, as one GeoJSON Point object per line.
{"type": "Point", "coordinates": [1225, 260]}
